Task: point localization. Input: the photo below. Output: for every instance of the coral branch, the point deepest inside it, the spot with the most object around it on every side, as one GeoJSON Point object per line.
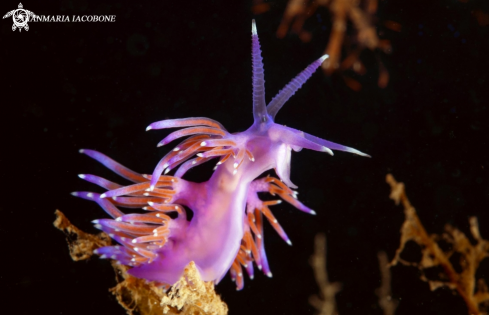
{"type": "Point", "coordinates": [325, 303]}
{"type": "Point", "coordinates": [432, 255]}
{"type": "Point", "coordinates": [81, 244]}
{"type": "Point", "coordinates": [386, 302]}
{"type": "Point", "coordinates": [354, 39]}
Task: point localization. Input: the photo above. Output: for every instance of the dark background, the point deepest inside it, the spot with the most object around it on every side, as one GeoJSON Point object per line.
{"type": "Point", "coordinates": [67, 86]}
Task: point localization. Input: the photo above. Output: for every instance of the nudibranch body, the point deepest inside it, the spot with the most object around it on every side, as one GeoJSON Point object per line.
{"type": "Point", "coordinates": [226, 230]}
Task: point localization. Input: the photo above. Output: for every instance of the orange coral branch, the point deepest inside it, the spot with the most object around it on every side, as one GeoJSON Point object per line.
{"type": "Point", "coordinates": [432, 255]}
{"type": "Point", "coordinates": [298, 11]}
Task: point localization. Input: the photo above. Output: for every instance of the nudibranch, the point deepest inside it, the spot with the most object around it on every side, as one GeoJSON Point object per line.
{"type": "Point", "coordinates": [226, 229]}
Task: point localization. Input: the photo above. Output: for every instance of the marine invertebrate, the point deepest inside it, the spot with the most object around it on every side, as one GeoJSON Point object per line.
{"type": "Point", "coordinates": [226, 230]}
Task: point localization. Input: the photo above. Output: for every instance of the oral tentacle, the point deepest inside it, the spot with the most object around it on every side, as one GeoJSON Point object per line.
{"type": "Point", "coordinates": [293, 138]}
{"type": "Point", "coordinates": [333, 146]}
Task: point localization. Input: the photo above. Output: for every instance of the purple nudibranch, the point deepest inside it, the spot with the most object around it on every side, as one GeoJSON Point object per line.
{"type": "Point", "coordinates": [226, 230]}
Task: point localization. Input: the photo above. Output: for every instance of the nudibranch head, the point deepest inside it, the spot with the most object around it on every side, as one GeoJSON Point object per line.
{"type": "Point", "coordinates": [223, 144]}
{"type": "Point", "coordinates": [226, 230]}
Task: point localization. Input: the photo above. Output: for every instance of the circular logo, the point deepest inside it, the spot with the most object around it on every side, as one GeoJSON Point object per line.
{"type": "Point", "coordinates": [20, 18]}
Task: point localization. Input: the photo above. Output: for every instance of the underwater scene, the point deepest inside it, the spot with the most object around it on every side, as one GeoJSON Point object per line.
{"type": "Point", "coordinates": [245, 157]}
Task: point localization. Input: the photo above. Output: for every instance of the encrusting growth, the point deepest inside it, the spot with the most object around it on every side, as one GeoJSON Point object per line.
{"type": "Point", "coordinates": [190, 295]}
